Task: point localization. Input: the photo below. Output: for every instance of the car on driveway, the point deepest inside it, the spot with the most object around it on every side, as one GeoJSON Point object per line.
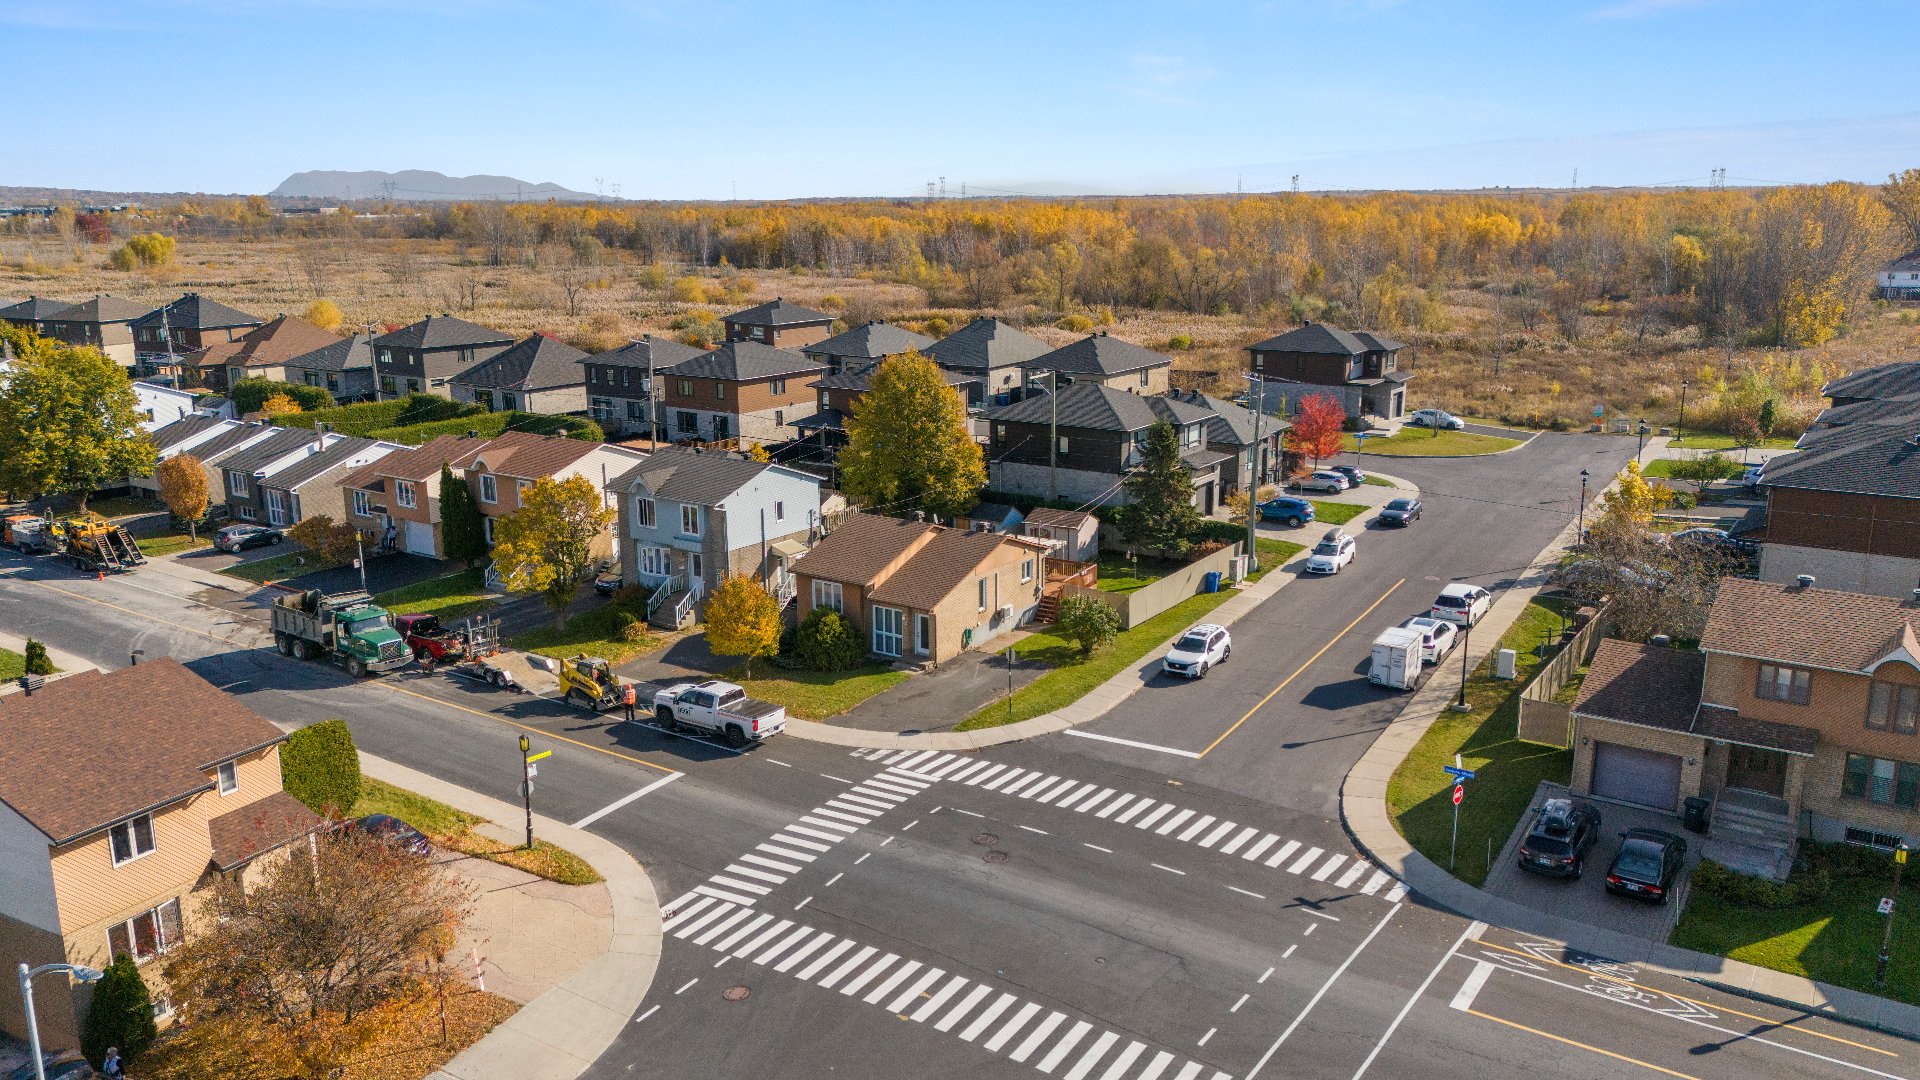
{"type": "Point", "coordinates": [238, 538]}
{"type": "Point", "coordinates": [1323, 480]}
{"type": "Point", "coordinates": [1201, 647]}
{"type": "Point", "coordinates": [58, 1065]}
{"type": "Point", "coordinates": [1436, 418]}
{"type": "Point", "coordinates": [1399, 513]}
{"type": "Point", "coordinates": [1437, 637]}
{"type": "Point", "coordinates": [1648, 862]}
{"type": "Point", "coordinates": [1295, 512]}
{"type": "Point", "coordinates": [389, 829]}
{"type": "Point", "coordinates": [1461, 603]}
{"type": "Point", "coordinates": [1334, 551]}
{"type": "Point", "coordinates": [1355, 477]}
{"type": "Point", "coordinates": [1717, 540]}
{"type": "Point", "coordinates": [1556, 846]}
{"type": "Point", "coordinates": [607, 582]}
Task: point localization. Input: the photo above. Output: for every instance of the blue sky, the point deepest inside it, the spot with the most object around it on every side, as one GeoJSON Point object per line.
{"type": "Point", "coordinates": [708, 98]}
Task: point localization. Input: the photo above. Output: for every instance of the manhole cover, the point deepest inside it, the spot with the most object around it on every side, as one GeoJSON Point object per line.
{"type": "Point", "coordinates": [735, 993]}
{"type": "Point", "coordinates": [995, 856]}
{"type": "Point", "coordinates": [986, 839]}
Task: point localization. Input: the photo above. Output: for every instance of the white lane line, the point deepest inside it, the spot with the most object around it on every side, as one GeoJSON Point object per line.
{"type": "Point", "coordinates": [1172, 823]}
{"type": "Point", "coordinates": [1038, 1036]}
{"type": "Point", "coordinates": [969, 813]}
{"type": "Point", "coordinates": [886, 987]}
{"type": "Point", "coordinates": [854, 984]}
{"type": "Point", "coordinates": [1280, 856]}
{"type": "Point", "coordinates": [1470, 989]}
{"type": "Point", "coordinates": [1299, 864]}
{"type": "Point", "coordinates": [926, 979]}
{"type": "Point", "coordinates": [835, 878]}
{"type": "Point", "coordinates": [803, 903]}
{"type": "Point", "coordinates": [1153, 817]}
{"type": "Point", "coordinates": [1008, 1029]}
{"type": "Point", "coordinates": [938, 1000]}
{"type": "Point", "coordinates": [1136, 745]}
{"type": "Point", "coordinates": [1244, 892]}
{"type": "Point", "coordinates": [690, 983]}
{"type": "Point", "coordinates": [1352, 875]}
{"type": "Point", "coordinates": [1097, 847]}
{"type": "Point", "coordinates": [1214, 836]}
{"type": "Point", "coordinates": [885, 842]}
{"type": "Point", "coordinates": [646, 1014]}
{"type": "Point", "coordinates": [1237, 1004]}
{"type": "Point", "coordinates": [863, 858]}
{"type": "Point", "coordinates": [1461, 1000]}
{"type": "Point", "coordinates": [1125, 1061]}
{"type": "Point", "coordinates": [1168, 869]}
{"type": "Point", "coordinates": [1327, 868]}
{"type": "Point", "coordinates": [618, 803]}
{"type": "Point", "coordinates": [1116, 804]}
{"type": "Point", "coordinates": [773, 864]}
{"type": "Point", "coordinates": [1193, 830]}
{"type": "Point", "coordinates": [1084, 1066]}
{"type": "Point", "coordinates": [1266, 842]}
{"type": "Point", "coordinates": [909, 824]}
{"type": "Point", "coordinates": [1379, 878]}
{"type": "Point", "coordinates": [1289, 951]}
{"type": "Point", "coordinates": [987, 1017]}
{"type": "Point", "coordinates": [840, 779]}
{"type": "Point", "coordinates": [841, 972]}
{"type": "Point", "coordinates": [1208, 1035]}
{"type": "Point", "coordinates": [807, 973]}
{"type": "Point", "coordinates": [1308, 932]}
{"type": "Point", "coordinates": [1030, 828]}
{"type": "Point", "coordinates": [782, 764]}
{"type": "Point", "coordinates": [1064, 1046]}
{"type": "Point", "coordinates": [804, 951]}
{"type": "Point", "coordinates": [952, 1019]}
{"type": "Point", "coordinates": [1265, 975]}
{"type": "Point", "coordinates": [1320, 993]}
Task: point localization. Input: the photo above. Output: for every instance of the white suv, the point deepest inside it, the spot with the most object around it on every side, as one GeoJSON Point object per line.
{"type": "Point", "coordinates": [1436, 418]}
{"type": "Point", "coordinates": [1335, 550]}
{"type": "Point", "coordinates": [1461, 603]}
{"type": "Point", "coordinates": [1325, 480]}
{"type": "Point", "coordinates": [1437, 637]}
{"type": "Point", "coordinates": [1198, 649]}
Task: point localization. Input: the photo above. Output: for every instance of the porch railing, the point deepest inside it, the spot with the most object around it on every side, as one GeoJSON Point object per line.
{"type": "Point", "coordinates": [674, 583]}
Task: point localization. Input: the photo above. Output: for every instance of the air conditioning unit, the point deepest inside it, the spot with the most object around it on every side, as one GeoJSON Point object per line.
{"type": "Point", "coordinates": [1005, 613]}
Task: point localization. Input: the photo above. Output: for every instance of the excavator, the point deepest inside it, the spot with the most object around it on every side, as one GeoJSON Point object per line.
{"type": "Point", "coordinates": [91, 542]}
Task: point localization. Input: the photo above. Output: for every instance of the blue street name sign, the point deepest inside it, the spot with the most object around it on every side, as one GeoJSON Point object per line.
{"type": "Point", "coordinates": [1457, 773]}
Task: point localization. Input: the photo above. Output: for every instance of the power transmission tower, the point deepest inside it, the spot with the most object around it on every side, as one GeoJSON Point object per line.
{"type": "Point", "coordinates": [616, 190]}
{"type": "Point", "coordinates": [1296, 183]}
{"type": "Point", "coordinates": [1576, 177]}
{"type": "Point", "coordinates": [943, 187]}
{"type": "Point", "coordinates": [963, 189]}
{"type": "Point", "coordinates": [599, 186]}
{"type": "Point", "coordinates": [929, 189]}
{"type": "Point", "coordinates": [1239, 184]}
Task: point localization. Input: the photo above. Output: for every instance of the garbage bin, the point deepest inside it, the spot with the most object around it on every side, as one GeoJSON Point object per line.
{"type": "Point", "coordinates": [1695, 816]}
{"type": "Point", "coordinates": [1212, 581]}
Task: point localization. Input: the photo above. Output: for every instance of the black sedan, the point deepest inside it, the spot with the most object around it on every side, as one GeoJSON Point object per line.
{"type": "Point", "coordinates": [237, 538]}
{"type": "Point", "coordinates": [1557, 844]}
{"type": "Point", "coordinates": [1718, 540]}
{"type": "Point", "coordinates": [392, 830]}
{"type": "Point", "coordinates": [1354, 475]}
{"type": "Point", "coordinates": [1648, 862]}
{"type": "Point", "coordinates": [1400, 513]}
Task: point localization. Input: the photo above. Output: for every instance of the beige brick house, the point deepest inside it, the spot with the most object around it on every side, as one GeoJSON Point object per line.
{"type": "Point", "coordinates": [114, 820]}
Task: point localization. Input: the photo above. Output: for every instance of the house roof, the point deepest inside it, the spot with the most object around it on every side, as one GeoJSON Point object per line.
{"type": "Point", "coordinates": [1877, 460]}
{"type": "Point", "coordinates": [1231, 424]}
{"type": "Point", "coordinates": [862, 380]}
{"type": "Point", "coordinates": [183, 429]}
{"type": "Point", "coordinates": [1727, 725]}
{"type": "Point", "coordinates": [998, 513]}
{"type": "Point", "coordinates": [1059, 519]}
{"type": "Point", "coordinates": [529, 456]}
{"type": "Point", "coordinates": [1098, 354]}
{"type": "Point", "coordinates": [1870, 411]}
{"type": "Point", "coordinates": [657, 353]}
{"type": "Point", "coordinates": [195, 312]}
{"type": "Point", "coordinates": [1322, 339]}
{"type": "Point", "coordinates": [1649, 685]}
{"type": "Point", "coordinates": [687, 476]}
{"type": "Point", "coordinates": [96, 748]}
{"type": "Point", "coordinates": [33, 309]}
{"type": "Point", "coordinates": [944, 563]}
{"type": "Point", "coordinates": [1822, 628]}
{"type": "Point", "coordinates": [985, 344]}
{"type": "Point", "coordinates": [1199, 457]}
{"type": "Point", "coordinates": [861, 547]}
{"type": "Point", "coordinates": [1909, 261]}
{"type": "Point", "coordinates": [259, 827]}
{"type": "Point", "coordinates": [279, 444]}
{"type": "Point", "coordinates": [1900, 379]}
{"type": "Point", "coordinates": [745, 361]}
{"type": "Point", "coordinates": [219, 444]}
{"type": "Point", "coordinates": [778, 312]}
{"type": "Point", "coordinates": [537, 363]}
{"type": "Point", "coordinates": [341, 354]}
{"type": "Point", "coordinates": [442, 332]}
{"type": "Point", "coordinates": [870, 341]}
{"type": "Point", "coordinates": [102, 309]}
{"type": "Point", "coordinates": [343, 448]}
{"type": "Point", "coordinates": [418, 463]}
{"type": "Point", "coordinates": [1095, 407]}
{"type": "Point", "coordinates": [270, 345]}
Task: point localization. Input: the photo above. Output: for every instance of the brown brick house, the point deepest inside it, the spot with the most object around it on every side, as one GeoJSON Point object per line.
{"type": "Point", "coordinates": [401, 492]}
{"type": "Point", "coordinates": [166, 339]}
{"type": "Point", "coordinates": [261, 353]}
{"type": "Point", "coordinates": [779, 324]}
{"type": "Point", "coordinates": [741, 390]}
{"type": "Point", "coordinates": [104, 322]}
{"type": "Point", "coordinates": [840, 393]}
{"type": "Point", "coordinates": [1361, 370]}
{"type": "Point", "coordinates": [620, 382]}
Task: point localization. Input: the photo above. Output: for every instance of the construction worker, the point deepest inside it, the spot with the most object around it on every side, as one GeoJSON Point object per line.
{"type": "Point", "coordinates": [628, 696]}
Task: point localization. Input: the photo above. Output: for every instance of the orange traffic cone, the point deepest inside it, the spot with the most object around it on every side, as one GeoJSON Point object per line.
{"type": "Point", "coordinates": [100, 575]}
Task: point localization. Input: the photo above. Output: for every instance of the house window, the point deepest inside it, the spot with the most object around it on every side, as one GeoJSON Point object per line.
{"type": "Point", "coordinates": [624, 373]}
{"type": "Point", "coordinates": [888, 624]}
{"type": "Point", "coordinates": [387, 385]}
{"type": "Point", "coordinates": [687, 423]}
{"type": "Point", "coordinates": [776, 387]}
{"type": "Point", "coordinates": [720, 390]}
{"type": "Point", "coordinates": [229, 777]}
{"type": "Point", "coordinates": [823, 399]}
{"type": "Point", "coordinates": [1000, 431]}
{"type": "Point", "coordinates": [655, 561]}
{"type": "Point", "coordinates": [922, 633]}
{"type": "Point", "coordinates": [489, 488]}
{"type": "Point", "coordinates": [413, 385]}
{"type": "Point", "coordinates": [276, 506]}
{"type": "Point", "coordinates": [1063, 444]}
{"type": "Point", "coordinates": [1869, 838]}
{"type": "Point", "coordinates": [602, 408]}
{"type": "Point", "coordinates": [1026, 570]}
{"type": "Point", "coordinates": [403, 493]}
{"type": "Point", "coordinates": [1893, 708]}
{"type": "Point", "coordinates": [509, 402]}
{"type": "Point", "coordinates": [130, 840]}
{"type": "Point", "coordinates": [486, 526]}
{"type": "Point", "coordinates": [312, 377]}
{"type": "Point", "coordinates": [247, 512]}
{"type": "Point", "coordinates": [983, 594]}
{"type": "Point", "coordinates": [1144, 373]}
{"type": "Point", "coordinates": [686, 387]}
{"type": "Point", "coordinates": [689, 520]}
{"type": "Point", "coordinates": [466, 355]}
{"type": "Point", "coordinates": [147, 934]}
{"type": "Point", "coordinates": [362, 505]}
{"type": "Point", "coordinates": [643, 513]}
{"type": "Point", "coordinates": [1780, 683]}
{"type": "Point", "coordinates": [637, 410]}
{"type": "Point", "coordinates": [237, 483]}
{"type": "Point", "coordinates": [520, 491]}
{"type": "Point", "coordinates": [779, 510]}
{"type": "Point", "coordinates": [828, 594]}
{"type": "Point", "coordinates": [1882, 781]}
{"type": "Point", "coordinates": [779, 418]}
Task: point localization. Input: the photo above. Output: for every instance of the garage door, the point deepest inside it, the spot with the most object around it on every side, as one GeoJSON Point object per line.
{"type": "Point", "coordinates": [419, 538]}
{"type": "Point", "coordinates": [1630, 774]}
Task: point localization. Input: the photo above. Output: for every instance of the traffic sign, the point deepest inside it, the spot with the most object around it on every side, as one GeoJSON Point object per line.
{"type": "Point", "coordinates": [1886, 905]}
{"type": "Point", "coordinates": [540, 756]}
{"type": "Point", "coordinates": [1459, 774]}
{"type": "Point", "coordinates": [532, 770]}
{"type": "Point", "coordinates": [1460, 794]}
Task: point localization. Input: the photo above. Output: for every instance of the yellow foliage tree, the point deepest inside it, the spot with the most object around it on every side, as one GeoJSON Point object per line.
{"type": "Point", "coordinates": [183, 487]}
{"type": "Point", "coordinates": [324, 314]}
{"type": "Point", "coordinates": [743, 619]}
{"type": "Point", "coordinates": [546, 547]}
{"type": "Point", "coordinates": [278, 405]}
{"type": "Point", "coordinates": [1634, 499]}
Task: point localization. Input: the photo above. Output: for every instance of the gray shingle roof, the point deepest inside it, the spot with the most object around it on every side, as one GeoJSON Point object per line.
{"type": "Point", "coordinates": [300, 472]}
{"type": "Point", "coordinates": [778, 312]}
{"type": "Point", "coordinates": [196, 312]}
{"type": "Point", "coordinates": [649, 351]}
{"type": "Point", "coordinates": [1098, 354]}
{"type": "Point", "coordinates": [1323, 339]}
{"type": "Point", "coordinates": [1231, 424]}
{"type": "Point", "coordinates": [1909, 261]}
{"type": "Point", "coordinates": [277, 445]}
{"type": "Point", "coordinates": [870, 341]}
{"type": "Point", "coordinates": [538, 363]}
{"type": "Point", "coordinates": [1100, 408]}
{"type": "Point", "coordinates": [744, 361]}
{"type": "Point", "coordinates": [862, 379]}
{"type": "Point", "coordinates": [442, 332]}
{"type": "Point", "coordinates": [225, 441]}
{"type": "Point", "coordinates": [985, 344]}
{"type": "Point", "coordinates": [1885, 381]}
{"type": "Point", "coordinates": [183, 429]}
{"type": "Point", "coordinates": [1872, 411]}
{"type": "Point", "coordinates": [685, 476]}
{"type": "Point", "coordinates": [102, 309]}
{"type": "Point", "coordinates": [344, 355]}
{"type": "Point", "coordinates": [1876, 461]}
{"type": "Point", "coordinates": [33, 309]}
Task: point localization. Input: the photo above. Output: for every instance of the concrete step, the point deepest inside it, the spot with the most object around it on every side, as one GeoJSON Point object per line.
{"type": "Point", "coordinates": [1749, 831]}
{"type": "Point", "coordinates": [1763, 861]}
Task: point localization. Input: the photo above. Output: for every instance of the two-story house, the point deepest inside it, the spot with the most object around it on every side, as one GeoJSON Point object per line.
{"type": "Point", "coordinates": [33, 313]}
{"type": "Point", "coordinates": [104, 323]}
{"type": "Point", "coordinates": [1846, 509]}
{"type": "Point", "coordinates": [1899, 279]}
{"type": "Point", "coordinates": [840, 394]}
{"type": "Point", "coordinates": [1080, 443]}
{"type": "Point", "coordinates": [1257, 455]}
{"type": "Point", "coordinates": [342, 367]}
{"type": "Point", "coordinates": [1362, 371]}
{"type": "Point", "coordinates": [779, 324]}
{"type": "Point", "coordinates": [866, 345]}
{"type": "Point", "coordinates": [501, 471]}
{"type": "Point", "coordinates": [991, 352]}
{"type": "Point", "coordinates": [620, 383]}
{"type": "Point", "coordinates": [242, 470]}
{"type": "Point", "coordinates": [919, 592]}
{"type": "Point", "coordinates": [399, 494]}
{"type": "Point", "coordinates": [419, 358]}
{"type": "Point", "coordinates": [539, 374]}
{"type": "Point", "coordinates": [122, 796]}
{"type": "Point", "coordinates": [741, 390]}
{"type": "Point", "coordinates": [690, 518]}
{"type": "Point", "coordinates": [260, 353]}
{"type": "Point", "coordinates": [166, 339]}
{"type": "Point", "coordinates": [1105, 360]}
{"type": "Point", "coordinates": [309, 485]}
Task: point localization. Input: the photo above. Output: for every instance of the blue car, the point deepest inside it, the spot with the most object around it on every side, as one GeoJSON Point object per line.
{"type": "Point", "coordinates": [1295, 512]}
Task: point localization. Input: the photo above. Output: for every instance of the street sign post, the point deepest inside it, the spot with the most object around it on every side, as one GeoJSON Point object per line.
{"type": "Point", "coordinates": [1459, 793]}
{"type": "Point", "coordinates": [1886, 905]}
{"type": "Point", "coordinates": [1886, 908]}
{"type": "Point", "coordinates": [526, 781]}
{"type": "Point", "coordinates": [1459, 774]}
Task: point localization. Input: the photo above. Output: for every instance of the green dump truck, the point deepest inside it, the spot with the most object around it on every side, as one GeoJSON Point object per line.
{"type": "Point", "coordinates": [347, 628]}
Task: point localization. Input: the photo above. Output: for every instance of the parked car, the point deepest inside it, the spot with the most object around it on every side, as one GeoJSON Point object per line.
{"type": "Point", "coordinates": [1200, 648]}
{"type": "Point", "coordinates": [1557, 844]}
{"type": "Point", "coordinates": [1295, 512]}
{"type": "Point", "coordinates": [720, 709]}
{"type": "Point", "coordinates": [607, 582]}
{"type": "Point", "coordinates": [1354, 476]}
{"type": "Point", "coordinates": [1436, 418]}
{"type": "Point", "coordinates": [1461, 603]}
{"type": "Point", "coordinates": [1334, 551]}
{"type": "Point", "coordinates": [1324, 480]}
{"type": "Point", "coordinates": [1719, 540]}
{"type": "Point", "coordinates": [429, 639]}
{"type": "Point", "coordinates": [1399, 513]}
{"type": "Point", "coordinates": [1648, 861]}
{"type": "Point", "coordinates": [1437, 637]}
{"type": "Point", "coordinates": [59, 1065]}
{"type": "Point", "coordinates": [390, 829]}
{"type": "Point", "coordinates": [1750, 479]}
{"type": "Point", "coordinates": [238, 538]}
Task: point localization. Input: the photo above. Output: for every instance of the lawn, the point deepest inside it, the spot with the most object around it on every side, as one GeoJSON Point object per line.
{"type": "Point", "coordinates": [816, 695]}
{"type": "Point", "coordinates": [1378, 481]}
{"type": "Point", "coordinates": [12, 665]}
{"type": "Point", "coordinates": [454, 830]}
{"type": "Point", "coordinates": [1425, 442]}
{"type": "Point", "coordinates": [1119, 574]}
{"type": "Point", "coordinates": [1336, 513]}
{"type": "Point", "coordinates": [595, 632]}
{"type": "Point", "coordinates": [1663, 467]}
{"type": "Point", "coordinates": [1273, 555]}
{"type": "Point", "coordinates": [453, 597]}
{"type": "Point", "coordinates": [277, 567]}
{"type": "Point", "coordinates": [154, 547]}
{"type": "Point", "coordinates": [1699, 441]}
{"type": "Point", "coordinates": [1508, 770]}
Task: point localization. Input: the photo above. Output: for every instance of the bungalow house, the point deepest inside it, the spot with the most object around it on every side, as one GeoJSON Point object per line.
{"type": "Point", "coordinates": [342, 367]}
{"type": "Point", "coordinates": [209, 446]}
{"type": "Point", "coordinates": [162, 405]}
{"type": "Point", "coordinates": [1105, 360]}
{"type": "Point", "coordinates": [1360, 370]}
{"type": "Point", "coordinates": [742, 389]}
{"type": "Point", "coordinates": [921, 592]}
{"type": "Point", "coordinates": [620, 383]}
{"type": "Point", "coordinates": [164, 339]}
{"type": "Point", "coordinates": [116, 820]}
{"type": "Point", "coordinates": [104, 322]}
{"type": "Point", "coordinates": [991, 352]}
{"type": "Point", "coordinates": [1231, 431]}
{"type": "Point", "coordinates": [538, 375]}
{"type": "Point", "coordinates": [1070, 535]}
{"type": "Point", "coordinates": [260, 353]}
{"type": "Point", "coordinates": [779, 324]}
{"type": "Point", "coordinates": [33, 313]}
{"type": "Point", "coordinates": [419, 358]}
{"type": "Point", "coordinates": [1845, 509]}
{"type": "Point", "coordinates": [1899, 279]}
{"type": "Point", "coordinates": [309, 485]}
{"type": "Point", "coordinates": [690, 518]}
{"type": "Point", "coordinates": [1079, 444]}
{"type": "Point", "coordinates": [866, 345]}
{"type": "Point", "coordinates": [507, 465]}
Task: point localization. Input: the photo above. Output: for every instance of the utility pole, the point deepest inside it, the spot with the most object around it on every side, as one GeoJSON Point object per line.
{"type": "Point", "coordinates": [1253, 474]}
{"type": "Point", "coordinates": [360, 557]}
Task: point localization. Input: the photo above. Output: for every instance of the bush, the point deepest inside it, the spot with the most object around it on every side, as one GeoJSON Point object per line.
{"type": "Point", "coordinates": [146, 249]}
{"type": "Point", "coordinates": [120, 1015]}
{"type": "Point", "coordinates": [1180, 342]}
{"type": "Point", "coordinates": [490, 424]}
{"type": "Point", "coordinates": [37, 661]}
{"type": "Point", "coordinates": [1078, 324]}
{"type": "Point", "coordinates": [319, 766]}
{"type": "Point", "coordinates": [1090, 623]}
{"type": "Point", "coordinates": [368, 416]}
{"type": "Point", "coordinates": [828, 641]}
{"type": "Point", "coordinates": [248, 395]}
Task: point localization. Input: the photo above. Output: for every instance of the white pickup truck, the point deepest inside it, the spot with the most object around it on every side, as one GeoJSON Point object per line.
{"type": "Point", "coordinates": [718, 708]}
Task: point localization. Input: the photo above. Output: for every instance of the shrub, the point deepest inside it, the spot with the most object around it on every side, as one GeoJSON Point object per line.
{"type": "Point", "coordinates": [324, 314]}
{"type": "Point", "coordinates": [319, 766]}
{"type": "Point", "coordinates": [120, 1015]}
{"type": "Point", "coordinates": [1090, 623]}
{"type": "Point", "coordinates": [1805, 884]}
{"type": "Point", "coordinates": [38, 662]}
{"type": "Point", "coordinates": [1078, 324]}
{"type": "Point", "coordinates": [146, 249]}
{"type": "Point", "coordinates": [828, 641]}
{"type": "Point", "coordinates": [1180, 342]}
{"type": "Point", "coordinates": [333, 541]}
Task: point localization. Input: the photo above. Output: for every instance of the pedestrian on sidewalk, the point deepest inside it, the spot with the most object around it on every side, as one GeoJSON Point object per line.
{"type": "Point", "coordinates": [629, 695]}
{"type": "Point", "coordinates": [110, 1065]}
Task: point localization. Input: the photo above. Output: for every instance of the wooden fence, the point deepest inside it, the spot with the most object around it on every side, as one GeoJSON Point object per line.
{"type": "Point", "coordinates": [1542, 719]}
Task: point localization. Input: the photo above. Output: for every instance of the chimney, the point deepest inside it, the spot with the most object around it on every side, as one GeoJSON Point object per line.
{"type": "Point", "coordinates": [473, 433]}
{"type": "Point", "coordinates": [1660, 641]}
{"type": "Point", "coordinates": [1804, 581]}
{"type": "Point", "coordinates": [919, 516]}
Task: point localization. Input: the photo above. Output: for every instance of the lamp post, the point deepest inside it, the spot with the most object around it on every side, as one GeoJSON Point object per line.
{"type": "Point", "coordinates": [1886, 935]}
{"type": "Point", "coordinates": [1466, 645]}
{"type": "Point", "coordinates": [1258, 452]}
{"type": "Point", "coordinates": [1643, 441]}
{"type": "Point", "coordinates": [76, 972]}
{"type": "Point", "coordinates": [1680, 427]}
{"type": "Point", "coordinates": [1580, 535]}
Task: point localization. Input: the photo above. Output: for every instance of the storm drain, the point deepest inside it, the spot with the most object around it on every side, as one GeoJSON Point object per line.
{"type": "Point", "coordinates": [735, 993]}
{"type": "Point", "coordinates": [986, 839]}
{"type": "Point", "coordinates": [995, 856]}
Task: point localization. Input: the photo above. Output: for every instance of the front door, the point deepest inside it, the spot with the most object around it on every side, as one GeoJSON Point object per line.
{"type": "Point", "coordinates": [1753, 769]}
{"type": "Point", "coordinates": [722, 428]}
{"type": "Point", "coordinates": [696, 573]}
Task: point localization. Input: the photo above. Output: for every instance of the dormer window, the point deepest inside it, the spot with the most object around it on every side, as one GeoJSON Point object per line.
{"type": "Point", "coordinates": [1894, 708]}
{"type": "Point", "coordinates": [229, 773]}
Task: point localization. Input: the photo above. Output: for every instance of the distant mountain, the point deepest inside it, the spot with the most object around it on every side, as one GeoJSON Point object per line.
{"type": "Point", "coordinates": [416, 185]}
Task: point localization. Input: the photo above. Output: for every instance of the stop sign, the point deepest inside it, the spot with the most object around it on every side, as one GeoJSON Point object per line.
{"type": "Point", "coordinates": [1459, 793]}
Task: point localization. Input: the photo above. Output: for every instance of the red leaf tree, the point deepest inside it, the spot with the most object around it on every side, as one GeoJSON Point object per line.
{"type": "Point", "coordinates": [1317, 428]}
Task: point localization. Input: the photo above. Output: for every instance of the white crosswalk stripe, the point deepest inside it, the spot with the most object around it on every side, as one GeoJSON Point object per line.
{"type": "Point", "coordinates": [1037, 1036]}
{"type": "Point", "coordinates": [795, 841]}
{"type": "Point", "coordinates": [722, 926]}
{"type": "Point", "coordinates": [961, 775]}
{"type": "Point", "coordinates": [1095, 801]}
{"type": "Point", "coordinates": [683, 909]}
{"type": "Point", "coordinates": [1158, 813]}
{"type": "Point", "coordinates": [1352, 875]}
{"type": "Point", "coordinates": [1092, 1057]}
{"type": "Point", "coordinates": [795, 958]}
{"type": "Point", "coordinates": [1157, 1066]}
{"type": "Point", "coordinates": [1193, 830]}
{"type": "Point", "coordinates": [736, 885]}
{"type": "Point", "coordinates": [1266, 842]}
{"type": "Point", "coordinates": [939, 998]}
{"type": "Point", "coordinates": [853, 985]}
{"type": "Point", "coordinates": [783, 945]}
{"type": "Point", "coordinates": [1396, 894]}
{"type": "Point", "coordinates": [1003, 779]}
{"type": "Point", "coordinates": [1065, 1046]}
{"type": "Point", "coordinates": [1379, 878]}
{"type": "Point", "coordinates": [1327, 868]}
{"type": "Point", "coordinates": [1306, 860]}
{"type": "Point", "coordinates": [845, 969]}
{"type": "Point", "coordinates": [954, 1015]}
{"type": "Point", "coordinates": [826, 959]}
{"type": "Point", "coordinates": [755, 945]}
{"type": "Point", "coordinates": [926, 979]}
{"type": "Point", "coordinates": [725, 944]}
{"type": "Point", "coordinates": [987, 1017]}
{"type": "Point", "coordinates": [1280, 856]}
{"type": "Point", "coordinates": [980, 777]}
{"type": "Point", "coordinates": [1137, 807]}
{"type": "Point", "coordinates": [1012, 1027]}
{"type": "Point", "coordinates": [886, 987]}
{"type": "Point", "coordinates": [722, 894]}
{"type": "Point", "coordinates": [1235, 844]}
{"type": "Point", "coordinates": [1172, 823]}
{"type": "Point", "coordinates": [772, 864]}
{"type": "Point", "coordinates": [748, 871]}
{"type": "Point", "coordinates": [1214, 836]}
{"type": "Point", "coordinates": [1124, 1062]}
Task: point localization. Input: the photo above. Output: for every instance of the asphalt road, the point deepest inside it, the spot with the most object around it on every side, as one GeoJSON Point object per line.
{"type": "Point", "coordinates": [1068, 906]}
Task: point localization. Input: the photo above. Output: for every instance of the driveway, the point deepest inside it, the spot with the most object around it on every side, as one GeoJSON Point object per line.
{"type": "Point", "coordinates": [937, 700]}
{"type": "Point", "coordinates": [1587, 899]}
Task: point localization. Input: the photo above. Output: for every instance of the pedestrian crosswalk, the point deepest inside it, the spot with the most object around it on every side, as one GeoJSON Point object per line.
{"type": "Point", "coordinates": [1162, 818]}
{"type": "Point", "coordinates": [976, 1012]}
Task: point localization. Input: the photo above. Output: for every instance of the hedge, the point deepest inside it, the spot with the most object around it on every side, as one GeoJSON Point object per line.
{"type": "Point", "coordinates": [248, 395]}
{"type": "Point", "coordinates": [320, 767]}
{"type": "Point", "coordinates": [369, 416]}
{"type": "Point", "coordinates": [491, 424]}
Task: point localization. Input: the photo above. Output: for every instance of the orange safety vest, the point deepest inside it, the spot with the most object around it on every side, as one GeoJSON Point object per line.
{"type": "Point", "coordinates": [628, 695]}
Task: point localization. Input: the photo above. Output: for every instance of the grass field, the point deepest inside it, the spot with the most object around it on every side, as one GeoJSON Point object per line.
{"type": "Point", "coordinates": [595, 632]}
{"type": "Point", "coordinates": [1424, 442]}
{"type": "Point", "coordinates": [453, 597]}
{"type": "Point", "coordinates": [1118, 574]}
{"type": "Point", "coordinates": [1273, 555]}
{"type": "Point", "coordinates": [277, 567]}
{"type": "Point", "coordinates": [455, 830]}
{"type": "Point", "coordinates": [154, 547]}
{"type": "Point", "coordinates": [1336, 513]}
{"type": "Point", "coordinates": [12, 665]}
{"type": "Point", "coordinates": [1699, 441]}
{"type": "Point", "coordinates": [816, 695]}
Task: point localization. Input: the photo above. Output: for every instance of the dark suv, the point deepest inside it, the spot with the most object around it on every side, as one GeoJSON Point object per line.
{"type": "Point", "coordinates": [1557, 844]}
{"type": "Point", "coordinates": [1648, 862]}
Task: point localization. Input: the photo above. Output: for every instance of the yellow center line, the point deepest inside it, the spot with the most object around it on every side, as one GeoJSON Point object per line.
{"type": "Point", "coordinates": [1296, 672]}
{"type": "Point", "coordinates": [1581, 1045]}
{"type": "Point", "coordinates": [1785, 1025]}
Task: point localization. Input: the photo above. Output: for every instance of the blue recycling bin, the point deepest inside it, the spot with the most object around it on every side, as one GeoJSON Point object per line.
{"type": "Point", "coordinates": [1212, 581]}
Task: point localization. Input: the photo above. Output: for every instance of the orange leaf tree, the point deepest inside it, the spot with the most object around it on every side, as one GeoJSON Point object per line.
{"type": "Point", "coordinates": [1317, 428]}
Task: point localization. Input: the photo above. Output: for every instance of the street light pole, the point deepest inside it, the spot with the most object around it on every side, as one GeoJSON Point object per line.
{"type": "Point", "coordinates": [1680, 428]}
{"type": "Point", "coordinates": [1642, 449]}
{"type": "Point", "coordinates": [1580, 536]}
{"type": "Point", "coordinates": [76, 972]}
{"type": "Point", "coordinates": [1886, 935]}
{"type": "Point", "coordinates": [1466, 644]}
{"type": "Point", "coordinates": [526, 789]}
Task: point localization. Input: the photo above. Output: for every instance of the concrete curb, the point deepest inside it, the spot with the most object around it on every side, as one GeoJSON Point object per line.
{"type": "Point", "coordinates": [558, 1035]}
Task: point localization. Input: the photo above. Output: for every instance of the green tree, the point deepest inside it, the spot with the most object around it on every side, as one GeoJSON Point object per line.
{"type": "Point", "coordinates": [546, 547]}
{"type": "Point", "coordinates": [1162, 515]}
{"type": "Point", "coordinates": [252, 395]}
{"type": "Point", "coordinates": [331, 541]}
{"type": "Point", "coordinates": [1088, 623]}
{"type": "Point", "coordinates": [145, 250]}
{"type": "Point", "coordinates": [908, 442]}
{"type": "Point", "coordinates": [1632, 501]}
{"type": "Point", "coordinates": [462, 532]}
{"type": "Point", "coordinates": [743, 619]}
{"type": "Point", "coordinates": [38, 662]}
{"type": "Point", "coordinates": [183, 487]}
{"type": "Point", "coordinates": [320, 767]}
{"type": "Point", "coordinates": [69, 423]}
{"type": "Point", "coordinates": [120, 1014]}
{"type": "Point", "coordinates": [828, 641]}
{"type": "Point", "coordinates": [1769, 416]}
